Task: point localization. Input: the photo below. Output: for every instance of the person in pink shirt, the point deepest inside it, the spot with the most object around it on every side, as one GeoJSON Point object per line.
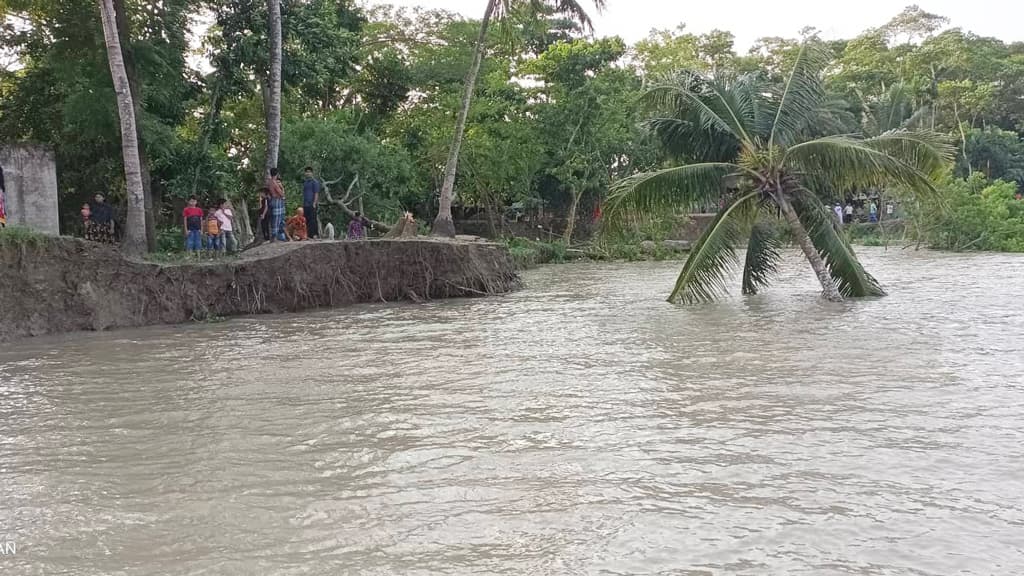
{"type": "Point", "coordinates": [226, 217]}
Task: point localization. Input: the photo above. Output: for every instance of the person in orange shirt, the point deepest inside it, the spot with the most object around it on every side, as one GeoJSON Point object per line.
{"type": "Point", "coordinates": [213, 243]}
{"type": "Point", "coordinates": [295, 228]}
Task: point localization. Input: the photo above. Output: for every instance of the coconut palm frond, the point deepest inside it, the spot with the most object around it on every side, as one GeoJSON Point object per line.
{"type": "Point", "coordinates": [748, 92]}
{"type": "Point", "coordinates": [668, 191]}
{"type": "Point", "coordinates": [846, 163]}
{"type": "Point", "coordinates": [686, 139]}
{"type": "Point", "coordinates": [801, 97]}
{"type": "Point", "coordinates": [929, 152]}
{"type": "Point", "coordinates": [832, 117]}
{"type": "Point", "coordinates": [843, 266]}
{"type": "Point", "coordinates": [763, 255]}
{"type": "Point", "coordinates": [576, 11]}
{"type": "Point", "coordinates": [710, 103]}
{"type": "Point", "coordinates": [714, 255]}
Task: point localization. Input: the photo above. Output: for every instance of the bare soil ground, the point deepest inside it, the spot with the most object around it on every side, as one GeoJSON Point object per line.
{"type": "Point", "coordinates": [66, 284]}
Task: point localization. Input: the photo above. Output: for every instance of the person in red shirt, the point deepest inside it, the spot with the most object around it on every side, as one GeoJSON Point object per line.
{"type": "Point", "coordinates": [192, 218]}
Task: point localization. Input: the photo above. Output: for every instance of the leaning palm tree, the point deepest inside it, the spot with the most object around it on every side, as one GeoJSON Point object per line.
{"type": "Point", "coordinates": [754, 150]}
{"type": "Point", "coordinates": [443, 224]}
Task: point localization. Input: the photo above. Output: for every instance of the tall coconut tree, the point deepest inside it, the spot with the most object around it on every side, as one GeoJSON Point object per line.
{"type": "Point", "coordinates": [495, 9]}
{"type": "Point", "coordinates": [753, 151]}
{"type": "Point", "coordinates": [273, 97]}
{"type": "Point", "coordinates": [135, 229]}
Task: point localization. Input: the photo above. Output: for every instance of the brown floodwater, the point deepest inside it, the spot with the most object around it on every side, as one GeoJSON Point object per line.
{"type": "Point", "coordinates": [580, 426]}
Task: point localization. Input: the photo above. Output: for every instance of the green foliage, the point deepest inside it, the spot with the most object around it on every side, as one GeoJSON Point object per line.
{"type": "Point", "coordinates": [999, 154]}
{"type": "Point", "coordinates": [532, 253]}
{"type": "Point", "coordinates": [337, 152]}
{"type": "Point", "coordinates": [763, 254]}
{"type": "Point", "coordinates": [20, 236]}
{"type": "Point", "coordinates": [557, 116]}
{"type": "Point", "coordinates": [974, 214]}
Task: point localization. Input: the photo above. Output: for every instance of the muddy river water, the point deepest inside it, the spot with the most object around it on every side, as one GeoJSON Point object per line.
{"type": "Point", "coordinates": [580, 426]}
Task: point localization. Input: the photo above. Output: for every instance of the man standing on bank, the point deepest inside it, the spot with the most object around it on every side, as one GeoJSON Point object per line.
{"type": "Point", "coordinates": [310, 198]}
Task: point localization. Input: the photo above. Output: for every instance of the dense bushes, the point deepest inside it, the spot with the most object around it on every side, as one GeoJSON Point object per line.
{"type": "Point", "coordinates": [973, 214]}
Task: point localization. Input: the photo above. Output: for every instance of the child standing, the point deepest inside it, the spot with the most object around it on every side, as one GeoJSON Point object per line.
{"type": "Point", "coordinates": [213, 243]}
{"type": "Point", "coordinates": [86, 215]}
{"type": "Point", "coordinates": [225, 217]}
{"type": "Point", "coordinates": [192, 219]}
{"type": "Point", "coordinates": [264, 214]}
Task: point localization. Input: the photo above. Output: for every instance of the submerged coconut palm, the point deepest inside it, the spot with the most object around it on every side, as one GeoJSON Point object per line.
{"type": "Point", "coordinates": [761, 142]}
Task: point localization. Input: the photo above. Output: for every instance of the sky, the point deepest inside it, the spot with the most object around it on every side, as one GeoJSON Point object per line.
{"type": "Point", "coordinates": [752, 19]}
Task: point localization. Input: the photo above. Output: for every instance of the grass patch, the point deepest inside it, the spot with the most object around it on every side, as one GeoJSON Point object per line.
{"type": "Point", "coordinates": [876, 233]}
{"type": "Point", "coordinates": [18, 236]}
{"type": "Point", "coordinates": [626, 252]}
{"type": "Point", "coordinates": [182, 257]}
{"type": "Point", "coordinates": [532, 253]}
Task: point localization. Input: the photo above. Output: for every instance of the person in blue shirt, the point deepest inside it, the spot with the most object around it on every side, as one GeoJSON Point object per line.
{"type": "Point", "coordinates": [310, 198]}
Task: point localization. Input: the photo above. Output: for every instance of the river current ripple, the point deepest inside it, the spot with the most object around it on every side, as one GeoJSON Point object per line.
{"type": "Point", "coordinates": [580, 426]}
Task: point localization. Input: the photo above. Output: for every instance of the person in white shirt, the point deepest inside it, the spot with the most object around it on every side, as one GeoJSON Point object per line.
{"type": "Point", "coordinates": [849, 213]}
{"type": "Point", "coordinates": [225, 217]}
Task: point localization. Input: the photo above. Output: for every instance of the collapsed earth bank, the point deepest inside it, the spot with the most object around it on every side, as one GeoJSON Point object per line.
{"type": "Point", "coordinates": [52, 285]}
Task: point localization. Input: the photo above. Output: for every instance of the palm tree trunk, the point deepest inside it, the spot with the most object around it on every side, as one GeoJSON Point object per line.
{"type": "Point", "coordinates": [273, 108]}
{"type": "Point", "coordinates": [828, 286]}
{"type": "Point", "coordinates": [135, 84]}
{"type": "Point", "coordinates": [443, 224]}
{"type": "Point", "coordinates": [135, 231]}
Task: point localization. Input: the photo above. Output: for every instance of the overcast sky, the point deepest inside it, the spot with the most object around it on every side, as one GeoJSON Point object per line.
{"type": "Point", "coordinates": [752, 19]}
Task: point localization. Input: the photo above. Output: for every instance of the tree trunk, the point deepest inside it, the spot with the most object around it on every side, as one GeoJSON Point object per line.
{"type": "Point", "coordinates": [828, 286]}
{"type": "Point", "coordinates": [963, 136]}
{"type": "Point", "coordinates": [135, 84]}
{"type": "Point", "coordinates": [570, 225]}
{"type": "Point", "coordinates": [273, 108]}
{"type": "Point", "coordinates": [245, 234]}
{"type": "Point", "coordinates": [135, 231]}
{"type": "Point", "coordinates": [443, 224]}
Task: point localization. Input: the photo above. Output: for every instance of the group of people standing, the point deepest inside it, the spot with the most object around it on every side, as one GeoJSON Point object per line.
{"type": "Point", "coordinates": [213, 230]}
{"type": "Point", "coordinates": [98, 220]}
{"type": "Point", "coordinates": [304, 224]}
{"type": "Point", "coordinates": [847, 213]}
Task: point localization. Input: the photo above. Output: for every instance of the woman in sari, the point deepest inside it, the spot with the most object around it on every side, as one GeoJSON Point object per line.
{"type": "Point", "coordinates": [100, 227]}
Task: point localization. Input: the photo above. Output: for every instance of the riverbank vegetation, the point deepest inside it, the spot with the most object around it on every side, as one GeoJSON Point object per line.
{"type": "Point", "coordinates": [369, 98]}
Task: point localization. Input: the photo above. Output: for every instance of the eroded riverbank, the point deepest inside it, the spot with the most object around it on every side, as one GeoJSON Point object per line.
{"type": "Point", "coordinates": [55, 285]}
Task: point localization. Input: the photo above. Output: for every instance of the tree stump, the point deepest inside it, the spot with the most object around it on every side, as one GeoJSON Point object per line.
{"type": "Point", "coordinates": [404, 228]}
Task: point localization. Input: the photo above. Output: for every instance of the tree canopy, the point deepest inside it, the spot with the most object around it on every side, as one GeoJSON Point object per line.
{"type": "Point", "coordinates": [557, 114]}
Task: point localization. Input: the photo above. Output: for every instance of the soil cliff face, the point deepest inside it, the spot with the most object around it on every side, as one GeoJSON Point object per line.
{"type": "Point", "coordinates": [64, 284]}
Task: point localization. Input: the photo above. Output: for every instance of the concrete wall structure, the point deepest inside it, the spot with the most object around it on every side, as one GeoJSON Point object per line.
{"type": "Point", "coordinates": [30, 180]}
